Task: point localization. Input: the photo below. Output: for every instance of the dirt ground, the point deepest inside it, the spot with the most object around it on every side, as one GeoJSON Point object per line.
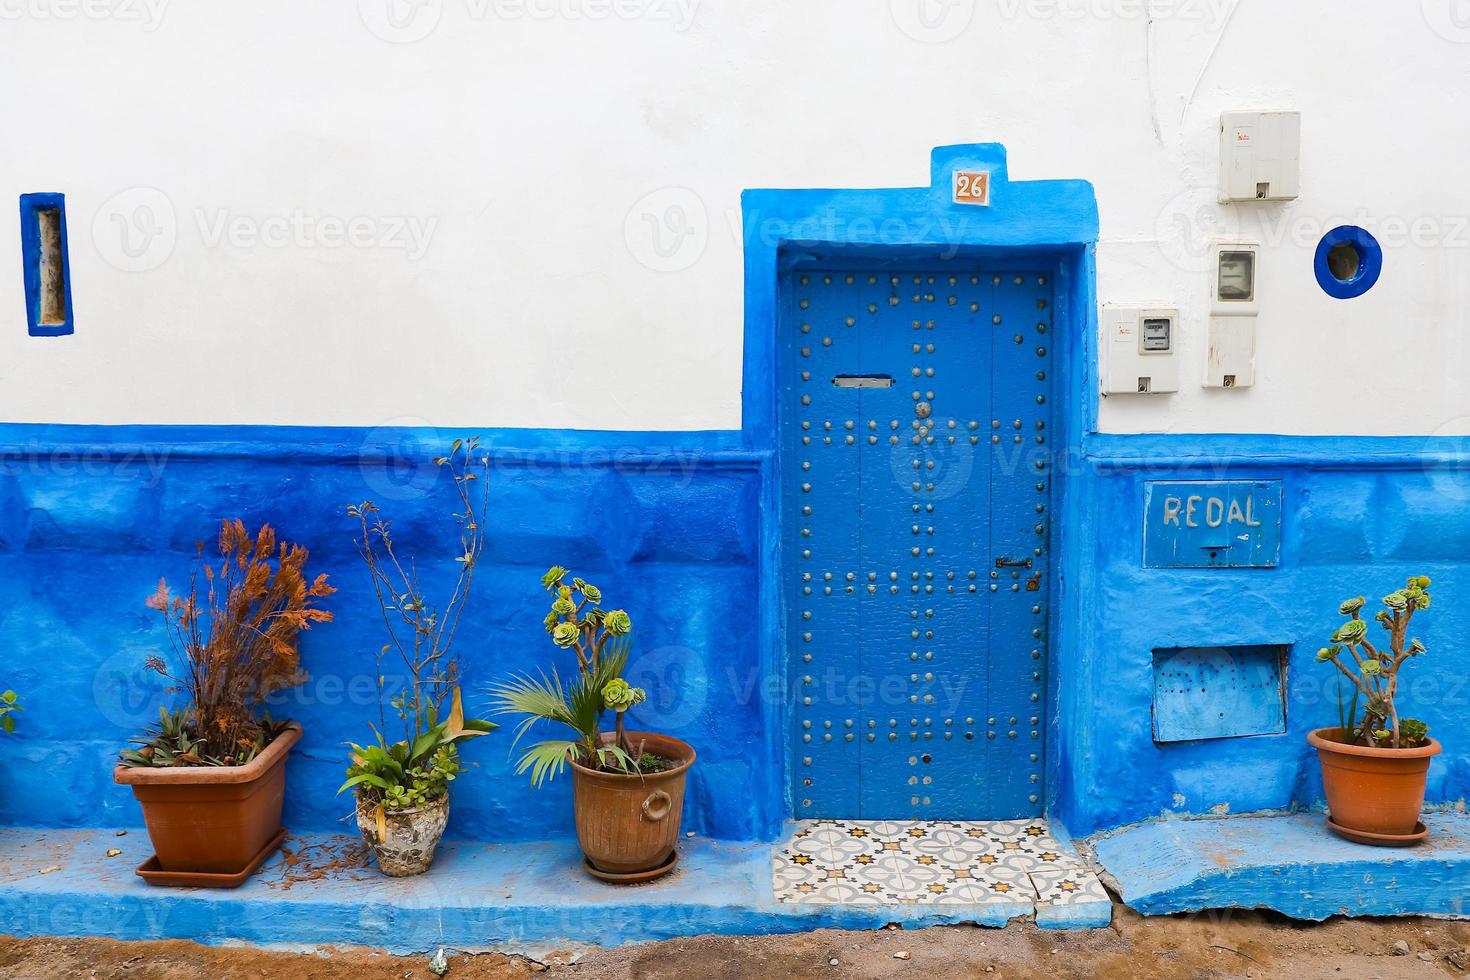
{"type": "Point", "coordinates": [1208, 945]}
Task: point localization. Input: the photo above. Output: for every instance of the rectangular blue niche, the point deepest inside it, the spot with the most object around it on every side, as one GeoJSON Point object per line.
{"type": "Point", "coordinates": [1212, 524]}
{"type": "Point", "coordinates": [1219, 692]}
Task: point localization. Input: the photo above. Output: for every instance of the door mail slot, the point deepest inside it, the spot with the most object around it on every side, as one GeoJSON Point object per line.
{"type": "Point", "coordinates": [863, 381]}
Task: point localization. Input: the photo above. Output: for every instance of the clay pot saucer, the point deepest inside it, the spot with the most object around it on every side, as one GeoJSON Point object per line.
{"type": "Point", "coordinates": [636, 877]}
{"type": "Point", "coordinates": [1380, 840]}
{"type": "Point", "coordinates": [151, 872]}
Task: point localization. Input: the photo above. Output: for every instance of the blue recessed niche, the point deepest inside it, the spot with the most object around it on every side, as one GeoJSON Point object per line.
{"type": "Point", "coordinates": [46, 265]}
{"type": "Point", "coordinates": [1219, 692]}
{"type": "Point", "coordinates": [1348, 262]}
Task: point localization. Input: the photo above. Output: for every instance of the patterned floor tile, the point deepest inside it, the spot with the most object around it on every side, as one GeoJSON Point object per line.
{"type": "Point", "coordinates": [877, 862]}
{"type": "Point", "coordinates": [1064, 886]}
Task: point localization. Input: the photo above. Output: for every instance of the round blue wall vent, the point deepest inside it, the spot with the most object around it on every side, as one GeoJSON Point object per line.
{"type": "Point", "coordinates": [1348, 262]}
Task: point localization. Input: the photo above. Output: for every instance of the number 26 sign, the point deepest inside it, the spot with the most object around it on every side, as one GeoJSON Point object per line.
{"type": "Point", "coordinates": [972, 187]}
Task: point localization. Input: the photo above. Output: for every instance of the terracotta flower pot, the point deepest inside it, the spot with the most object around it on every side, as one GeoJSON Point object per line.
{"type": "Point", "coordinates": [629, 824]}
{"type": "Point", "coordinates": [1375, 792]}
{"type": "Point", "coordinates": [214, 820]}
{"type": "Point", "coordinates": [409, 837]}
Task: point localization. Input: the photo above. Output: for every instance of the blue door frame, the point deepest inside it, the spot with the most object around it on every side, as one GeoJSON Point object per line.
{"type": "Point", "coordinates": [1048, 225]}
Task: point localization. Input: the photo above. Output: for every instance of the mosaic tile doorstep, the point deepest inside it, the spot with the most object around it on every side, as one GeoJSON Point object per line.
{"type": "Point", "coordinates": [884, 862]}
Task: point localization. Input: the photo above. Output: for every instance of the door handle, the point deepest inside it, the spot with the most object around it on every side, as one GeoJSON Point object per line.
{"type": "Point", "coordinates": [1012, 563]}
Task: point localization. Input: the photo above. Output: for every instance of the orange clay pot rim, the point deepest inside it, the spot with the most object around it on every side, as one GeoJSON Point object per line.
{"type": "Point", "coordinates": [213, 775]}
{"type": "Point", "coordinates": [1320, 741]}
{"type": "Point", "coordinates": [642, 777]}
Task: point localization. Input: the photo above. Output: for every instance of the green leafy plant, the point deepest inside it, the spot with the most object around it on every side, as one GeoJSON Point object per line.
{"type": "Point", "coordinates": [599, 640]}
{"type": "Point", "coordinates": [417, 769]}
{"type": "Point", "coordinates": [9, 705]}
{"type": "Point", "coordinates": [404, 775]}
{"type": "Point", "coordinates": [1375, 672]}
{"type": "Point", "coordinates": [234, 642]}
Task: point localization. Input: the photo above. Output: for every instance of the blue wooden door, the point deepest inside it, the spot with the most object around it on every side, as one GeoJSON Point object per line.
{"type": "Point", "coordinates": [916, 455]}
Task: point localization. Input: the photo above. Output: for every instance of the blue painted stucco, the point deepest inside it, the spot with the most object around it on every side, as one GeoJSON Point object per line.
{"type": "Point", "coordinates": [666, 523]}
{"type": "Point", "coordinates": [1289, 863]}
{"type": "Point", "coordinates": [1359, 515]}
{"type": "Point", "coordinates": [683, 528]}
{"type": "Point", "coordinates": [528, 898]}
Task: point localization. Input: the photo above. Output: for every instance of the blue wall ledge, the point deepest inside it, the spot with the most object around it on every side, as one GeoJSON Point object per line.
{"type": "Point", "coordinates": [514, 898]}
{"type": "Point", "coordinates": [1290, 863]}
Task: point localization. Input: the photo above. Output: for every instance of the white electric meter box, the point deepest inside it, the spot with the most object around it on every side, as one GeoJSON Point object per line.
{"type": "Point", "coordinates": [1230, 337]}
{"type": "Point", "coordinates": [1260, 156]}
{"type": "Point", "coordinates": [1140, 349]}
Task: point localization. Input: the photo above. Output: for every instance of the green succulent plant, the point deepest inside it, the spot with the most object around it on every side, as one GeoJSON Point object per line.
{"type": "Point", "coordinates": [172, 742]}
{"type": "Point", "coordinates": [1374, 672]}
{"type": "Point", "coordinates": [600, 640]}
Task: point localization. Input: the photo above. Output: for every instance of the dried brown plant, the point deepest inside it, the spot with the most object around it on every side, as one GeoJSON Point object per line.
{"type": "Point", "coordinates": [236, 644]}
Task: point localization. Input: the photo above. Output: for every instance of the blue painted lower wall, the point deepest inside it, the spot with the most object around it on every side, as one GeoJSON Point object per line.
{"type": "Point", "coordinates": [1358, 517]}
{"type": "Point", "coordinates": [676, 527]}
{"type": "Point", "coordinates": [666, 524]}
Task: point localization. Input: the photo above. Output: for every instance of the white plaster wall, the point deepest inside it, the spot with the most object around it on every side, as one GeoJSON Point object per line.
{"type": "Point", "coordinates": [496, 176]}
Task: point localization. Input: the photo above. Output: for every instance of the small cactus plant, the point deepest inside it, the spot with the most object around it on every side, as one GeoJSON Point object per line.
{"type": "Point", "coordinates": [1375, 672]}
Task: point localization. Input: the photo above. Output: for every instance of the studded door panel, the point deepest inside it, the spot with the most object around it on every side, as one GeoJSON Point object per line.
{"type": "Point", "coordinates": [915, 447]}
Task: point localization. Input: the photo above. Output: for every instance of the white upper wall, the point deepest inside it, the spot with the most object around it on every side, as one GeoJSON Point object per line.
{"type": "Point", "coordinates": [284, 212]}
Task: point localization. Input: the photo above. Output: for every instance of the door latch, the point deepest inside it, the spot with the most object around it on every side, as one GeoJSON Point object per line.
{"type": "Point", "coordinates": [1012, 563]}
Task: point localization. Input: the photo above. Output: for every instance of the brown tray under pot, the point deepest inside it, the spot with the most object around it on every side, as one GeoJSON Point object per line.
{"type": "Point", "coordinates": [150, 872]}
{"type": "Point", "coordinates": [215, 821]}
